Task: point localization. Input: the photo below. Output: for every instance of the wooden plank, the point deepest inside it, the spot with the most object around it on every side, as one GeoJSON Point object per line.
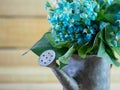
{"type": "Point", "coordinates": [41, 86]}
{"type": "Point", "coordinates": [26, 74]}
{"type": "Point", "coordinates": [14, 58]}
{"type": "Point", "coordinates": [115, 74]}
{"type": "Point", "coordinates": [17, 68]}
{"type": "Point", "coordinates": [22, 7]}
{"type": "Point", "coordinates": [30, 86]}
{"type": "Point", "coordinates": [22, 32]}
{"type": "Point", "coordinates": [36, 74]}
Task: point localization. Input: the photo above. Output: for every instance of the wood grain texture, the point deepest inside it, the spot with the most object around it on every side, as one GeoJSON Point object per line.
{"type": "Point", "coordinates": [22, 7]}
{"type": "Point", "coordinates": [30, 86]}
{"type": "Point", "coordinates": [41, 86]}
{"type": "Point", "coordinates": [17, 68]}
{"type": "Point", "coordinates": [14, 58]}
{"type": "Point", "coordinates": [37, 74]}
{"type": "Point", "coordinates": [26, 74]}
{"type": "Point", "coordinates": [22, 32]}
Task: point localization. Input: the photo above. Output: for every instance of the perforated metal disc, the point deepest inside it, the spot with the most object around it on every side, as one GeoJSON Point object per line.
{"type": "Point", "coordinates": [47, 57]}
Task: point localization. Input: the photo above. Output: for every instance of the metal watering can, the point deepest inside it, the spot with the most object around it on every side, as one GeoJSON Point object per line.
{"type": "Point", "coordinates": [91, 73]}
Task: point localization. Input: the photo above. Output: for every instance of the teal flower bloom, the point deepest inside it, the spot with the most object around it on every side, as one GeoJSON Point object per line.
{"type": "Point", "coordinates": [117, 18]}
{"type": "Point", "coordinates": [70, 21]}
{"type": "Point", "coordinates": [113, 35]}
{"type": "Point", "coordinates": [103, 25]}
{"type": "Point", "coordinates": [89, 27]}
{"type": "Point", "coordinates": [105, 1]}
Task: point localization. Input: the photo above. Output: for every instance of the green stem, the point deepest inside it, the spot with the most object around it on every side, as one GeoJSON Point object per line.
{"type": "Point", "coordinates": [70, 52]}
{"type": "Point", "coordinates": [67, 55]}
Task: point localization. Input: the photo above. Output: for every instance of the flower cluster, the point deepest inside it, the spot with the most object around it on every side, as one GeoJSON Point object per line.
{"type": "Point", "coordinates": [117, 18]}
{"type": "Point", "coordinates": [74, 21]}
{"type": "Point", "coordinates": [115, 31]}
{"type": "Point", "coordinates": [83, 27]}
{"type": "Point", "coordinates": [107, 2]}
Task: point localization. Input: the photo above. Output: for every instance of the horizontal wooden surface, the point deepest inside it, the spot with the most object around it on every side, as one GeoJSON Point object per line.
{"type": "Point", "coordinates": [23, 73]}
{"type": "Point", "coordinates": [41, 86]}
{"type": "Point", "coordinates": [14, 58]}
{"type": "Point", "coordinates": [30, 86]}
{"type": "Point", "coordinates": [17, 68]}
{"type": "Point", "coordinates": [21, 32]}
{"type": "Point", "coordinates": [26, 74]}
{"type": "Point", "coordinates": [22, 7]}
{"type": "Point", "coordinates": [37, 74]}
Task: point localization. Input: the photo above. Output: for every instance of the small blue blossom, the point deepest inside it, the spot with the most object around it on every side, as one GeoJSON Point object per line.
{"type": "Point", "coordinates": [109, 2]}
{"type": "Point", "coordinates": [103, 25]}
{"type": "Point", "coordinates": [114, 35]}
{"type": "Point", "coordinates": [88, 37]}
{"type": "Point", "coordinates": [114, 43]}
{"type": "Point", "coordinates": [117, 16]}
{"type": "Point", "coordinates": [118, 23]}
{"type": "Point", "coordinates": [70, 21]}
{"type": "Point", "coordinates": [118, 35]}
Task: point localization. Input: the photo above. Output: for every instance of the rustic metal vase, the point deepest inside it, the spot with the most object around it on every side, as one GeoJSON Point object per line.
{"type": "Point", "coordinates": [91, 73]}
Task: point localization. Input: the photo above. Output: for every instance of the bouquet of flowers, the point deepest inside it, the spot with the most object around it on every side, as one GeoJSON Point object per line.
{"type": "Point", "coordinates": [83, 27]}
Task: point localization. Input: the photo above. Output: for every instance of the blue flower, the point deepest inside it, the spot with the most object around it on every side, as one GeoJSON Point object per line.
{"type": "Point", "coordinates": [88, 37]}
{"type": "Point", "coordinates": [114, 43]}
{"type": "Point", "coordinates": [118, 35]}
{"type": "Point", "coordinates": [70, 20]}
{"type": "Point", "coordinates": [117, 16]}
{"type": "Point", "coordinates": [103, 25]}
{"type": "Point", "coordinates": [109, 2]}
{"type": "Point", "coordinates": [114, 35]}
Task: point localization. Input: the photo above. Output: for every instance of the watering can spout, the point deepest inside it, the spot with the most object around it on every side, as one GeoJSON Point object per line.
{"type": "Point", "coordinates": [47, 59]}
{"type": "Point", "coordinates": [68, 82]}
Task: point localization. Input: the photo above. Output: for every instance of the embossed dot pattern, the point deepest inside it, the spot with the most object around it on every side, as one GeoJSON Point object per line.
{"type": "Point", "coordinates": [47, 57]}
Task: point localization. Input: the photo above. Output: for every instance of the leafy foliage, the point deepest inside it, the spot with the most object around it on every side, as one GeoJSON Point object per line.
{"type": "Point", "coordinates": [83, 26]}
{"type": "Point", "coordinates": [43, 45]}
{"type": "Point", "coordinates": [107, 53]}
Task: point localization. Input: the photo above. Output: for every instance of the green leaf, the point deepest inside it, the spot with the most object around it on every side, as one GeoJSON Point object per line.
{"type": "Point", "coordinates": [114, 8]}
{"type": "Point", "coordinates": [62, 65]}
{"type": "Point", "coordinates": [107, 15]}
{"type": "Point", "coordinates": [104, 52]}
{"type": "Point", "coordinates": [69, 0]}
{"type": "Point", "coordinates": [96, 41]}
{"type": "Point", "coordinates": [109, 18]}
{"type": "Point", "coordinates": [51, 39]}
{"type": "Point", "coordinates": [90, 48]}
{"type": "Point", "coordinates": [83, 50]}
{"type": "Point", "coordinates": [100, 16]}
{"type": "Point", "coordinates": [110, 52]}
{"type": "Point", "coordinates": [43, 45]}
{"type": "Point", "coordinates": [117, 50]}
{"type": "Point", "coordinates": [110, 35]}
{"type": "Point", "coordinates": [64, 59]}
{"type": "Point", "coordinates": [116, 1]}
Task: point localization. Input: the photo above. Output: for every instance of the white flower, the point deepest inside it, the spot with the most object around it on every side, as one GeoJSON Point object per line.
{"type": "Point", "coordinates": [54, 2]}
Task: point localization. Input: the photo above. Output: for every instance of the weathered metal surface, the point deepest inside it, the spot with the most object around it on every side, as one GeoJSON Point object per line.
{"type": "Point", "coordinates": [67, 82]}
{"type": "Point", "coordinates": [91, 73]}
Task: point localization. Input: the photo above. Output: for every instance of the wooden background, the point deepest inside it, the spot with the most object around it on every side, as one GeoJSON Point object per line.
{"type": "Point", "coordinates": [22, 23]}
